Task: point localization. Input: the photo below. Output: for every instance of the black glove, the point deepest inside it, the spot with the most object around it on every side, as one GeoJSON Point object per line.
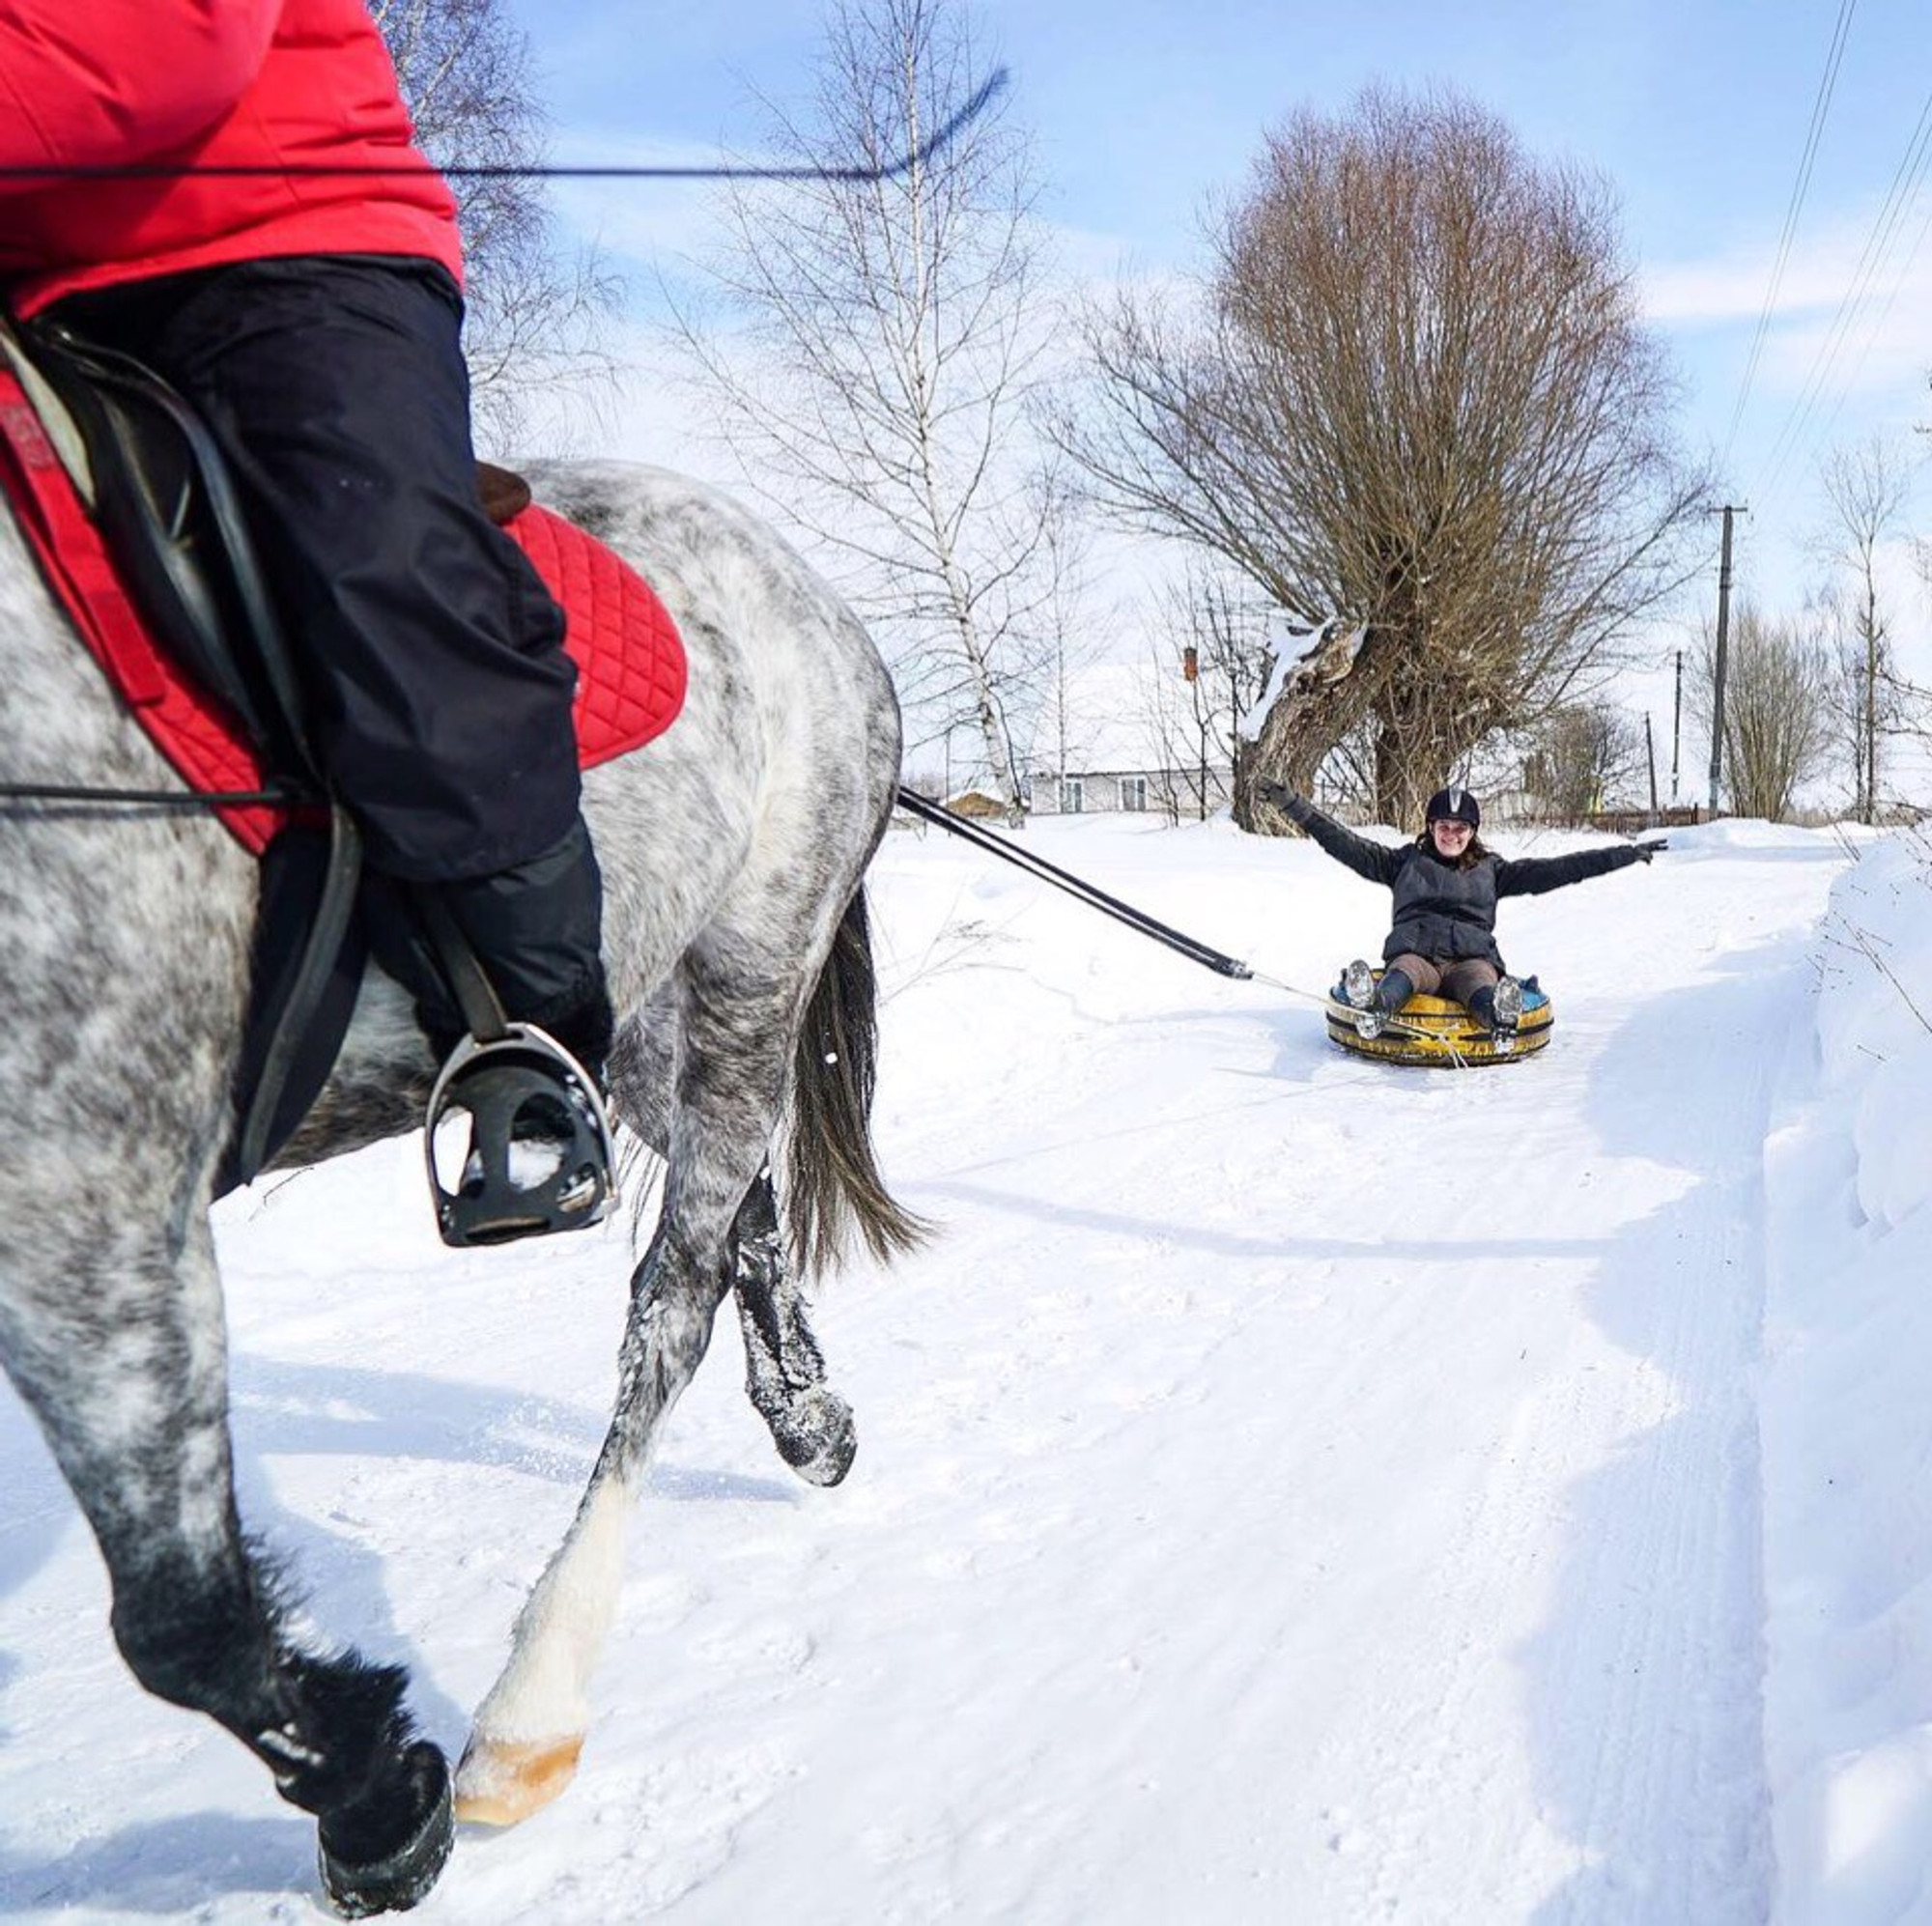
{"type": "Point", "coordinates": [1647, 850]}
{"type": "Point", "coordinates": [1292, 805]}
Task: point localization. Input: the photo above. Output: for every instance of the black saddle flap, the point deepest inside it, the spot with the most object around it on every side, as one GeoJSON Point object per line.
{"type": "Point", "coordinates": [167, 509]}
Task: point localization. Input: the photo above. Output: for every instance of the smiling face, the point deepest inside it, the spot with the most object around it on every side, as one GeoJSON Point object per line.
{"type": "Point", "coordinates": [1450, 837]}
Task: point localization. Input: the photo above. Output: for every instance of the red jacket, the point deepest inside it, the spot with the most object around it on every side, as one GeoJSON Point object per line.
{"type": "Point", "coordinates": [253, 83]}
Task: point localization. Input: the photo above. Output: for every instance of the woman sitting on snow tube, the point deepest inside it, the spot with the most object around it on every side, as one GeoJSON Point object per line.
{"type": "Point", "coordinates": [1446, 889]}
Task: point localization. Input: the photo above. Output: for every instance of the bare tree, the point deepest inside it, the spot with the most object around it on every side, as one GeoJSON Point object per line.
{"type": "Point", "coordinates": [1776, 721]}
{"type": "Point", "coordinates": [1578, 757]}
{"type": "Point", "coordinates": [1169, 736]}
{"type": "Point", "coordinates": [1225, 621]}
{"type": "Point", "coordinates": [1061, 644]}
{"type": "Point", "coordinates": [1867, 487]}
{"type": "Point", "coordinates": [1418, 406]}
{"type": "Point", "coordinates": [535, 323]}
{"type": "Point", "coordinates": [889, 338]}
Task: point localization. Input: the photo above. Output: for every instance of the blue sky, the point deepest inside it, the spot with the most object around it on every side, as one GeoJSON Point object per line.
{"type": "Point", "coordinates": [1698, 111]}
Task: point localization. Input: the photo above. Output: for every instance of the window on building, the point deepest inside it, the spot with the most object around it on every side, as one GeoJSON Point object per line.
{"type": "Point", "coordinates": [1072, 796]}
{"type": "Point", "coordinates": [1133, 792]}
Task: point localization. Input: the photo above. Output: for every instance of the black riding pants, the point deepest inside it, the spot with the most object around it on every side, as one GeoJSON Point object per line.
{"type": "Point", "coordinates": [433, 654]}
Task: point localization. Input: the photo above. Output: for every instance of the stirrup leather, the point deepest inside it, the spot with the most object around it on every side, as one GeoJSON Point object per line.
{"type": "Point", "coordinates": [538, 1155]}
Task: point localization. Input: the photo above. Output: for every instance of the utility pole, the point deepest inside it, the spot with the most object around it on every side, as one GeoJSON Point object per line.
{"type": "Point", "coordinates": [1650, 757]}
{"type": "Point", "coordinates": [1676, 726]}
{"type": "Point", "coordinates": [1717, 666]}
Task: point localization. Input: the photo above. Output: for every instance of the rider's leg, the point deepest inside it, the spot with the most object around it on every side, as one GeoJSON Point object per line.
{"type": "Point", "coordinates": [440, 689]}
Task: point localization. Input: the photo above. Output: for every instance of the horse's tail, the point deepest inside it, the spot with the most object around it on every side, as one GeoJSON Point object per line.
{"type": "Point", "coordinates": [834, 1182]}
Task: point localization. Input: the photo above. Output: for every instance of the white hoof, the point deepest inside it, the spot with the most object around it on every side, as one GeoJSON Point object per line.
{"type": "Point", "coordinates": [501, 1784]}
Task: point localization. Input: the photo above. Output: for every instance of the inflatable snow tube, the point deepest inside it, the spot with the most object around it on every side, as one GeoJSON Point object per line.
{"type": "Point", "coordinates": [1432, 1032]}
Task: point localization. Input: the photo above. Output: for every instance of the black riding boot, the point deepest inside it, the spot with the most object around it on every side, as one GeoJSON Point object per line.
{"type": "Point", "coordinates": [537, 931]}
{"type": "Point", "coordinates": [538, 1156]}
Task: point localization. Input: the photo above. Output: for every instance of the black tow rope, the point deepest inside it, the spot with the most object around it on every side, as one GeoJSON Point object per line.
{"type": "Point", "coordinates": [1061, 879]}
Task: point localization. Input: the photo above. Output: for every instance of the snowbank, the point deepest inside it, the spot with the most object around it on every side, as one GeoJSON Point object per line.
{"type": "Point", "coordinates": [1847, 1419]}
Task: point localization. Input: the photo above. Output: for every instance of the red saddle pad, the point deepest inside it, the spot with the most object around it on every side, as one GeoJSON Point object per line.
{"type": "Point", "coordinates": [630, 660]}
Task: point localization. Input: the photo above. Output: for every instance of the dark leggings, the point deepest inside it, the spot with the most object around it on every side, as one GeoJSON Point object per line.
{"type": "Point", "coordinates": [1458, 981]}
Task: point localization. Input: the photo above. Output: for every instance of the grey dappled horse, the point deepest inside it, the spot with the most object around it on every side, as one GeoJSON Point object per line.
{"type": "Point", "coordinates": [732, 850]}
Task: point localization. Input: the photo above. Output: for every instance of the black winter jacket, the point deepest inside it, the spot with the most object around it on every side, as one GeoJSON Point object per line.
{"type": "Point", "coordinates": [1443, 911]}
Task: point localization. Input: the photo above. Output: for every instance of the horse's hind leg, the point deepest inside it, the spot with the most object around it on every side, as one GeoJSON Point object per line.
{"type": "Point", "coordinates": [785, 1373]}
{"type": "Point", "coordinates": [736, 1028]}
{"type": "Point", "coordinates": [121, 1358]}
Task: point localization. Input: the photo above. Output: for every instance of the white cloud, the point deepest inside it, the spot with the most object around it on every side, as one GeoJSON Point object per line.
{"type": "Point", "coordinates": [1849, 308]}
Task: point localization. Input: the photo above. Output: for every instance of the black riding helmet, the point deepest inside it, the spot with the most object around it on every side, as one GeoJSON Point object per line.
{"type": "Point", "coordinates": [1454, 806]}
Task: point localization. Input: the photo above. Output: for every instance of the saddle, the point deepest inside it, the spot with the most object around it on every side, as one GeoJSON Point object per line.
{"type": "Point", "coordinates": [204, 662]}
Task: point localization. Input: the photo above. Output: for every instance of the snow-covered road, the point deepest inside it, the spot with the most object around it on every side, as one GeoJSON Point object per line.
{"type": "Point", "coordinates": [1291, 1489]}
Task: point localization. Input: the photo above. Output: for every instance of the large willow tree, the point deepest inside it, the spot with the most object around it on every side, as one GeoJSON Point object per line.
{"type": "Point", "coordinates": [1415, 401]}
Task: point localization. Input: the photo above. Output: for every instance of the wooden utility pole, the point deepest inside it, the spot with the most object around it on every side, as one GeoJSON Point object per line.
{"type": "Point", "coordinates": [1676, 726]}
{"type": "Point", "coordinates": [1650, 757]}
{"type": "Point", "coordinates": [1718, 666]}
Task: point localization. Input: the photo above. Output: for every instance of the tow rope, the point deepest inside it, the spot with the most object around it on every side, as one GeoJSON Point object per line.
{"type": "Point", "coordinates": [1062, 879]}
{"type": "Point", "coordinates": [1097, 898]}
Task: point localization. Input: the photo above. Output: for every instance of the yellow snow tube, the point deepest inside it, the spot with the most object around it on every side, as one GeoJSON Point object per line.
{"type": "Point", "coordinates": [1435, 1033]}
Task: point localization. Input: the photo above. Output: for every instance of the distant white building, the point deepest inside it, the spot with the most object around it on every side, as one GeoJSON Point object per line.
{"type": "Point", "coordinates": [1128, 736]}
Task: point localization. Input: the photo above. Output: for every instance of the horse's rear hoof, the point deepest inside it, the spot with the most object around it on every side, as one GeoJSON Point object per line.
{"type": "Point", "coordinates": [501, 1784]}
{"type": "Point", "coordinates": [356, 1888]}
{"type": "Point", "coordinates": [817, 1437]}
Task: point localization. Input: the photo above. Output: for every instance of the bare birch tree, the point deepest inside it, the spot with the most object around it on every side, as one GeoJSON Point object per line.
{"type": "Point", "coordinates": [1165, 736]}
{"type": "Point", "coordinates": [1776, 721]}
{"type": "Point", "coordinates": [885, 340]}
{"type": "Point", "coordinates": [1415, 402]}
{"type": "Point", "coordinates": [534, 323]}
{"type": "Point", "coordinates": [1064, 646]}
{"type": "Point", "coordinates": [1867, 487]}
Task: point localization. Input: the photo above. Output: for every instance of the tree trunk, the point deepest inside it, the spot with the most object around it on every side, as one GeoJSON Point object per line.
{"type": "Point", "coordinates": [1321, 697]}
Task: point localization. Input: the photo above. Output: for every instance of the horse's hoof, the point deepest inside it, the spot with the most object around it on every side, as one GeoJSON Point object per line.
{"type": "Point", "coordinates": [400, 1877]}
{"type": "Point", "coordinates": [818, 1438]}
{"type": "Point", "coordinates": [501, 1784]}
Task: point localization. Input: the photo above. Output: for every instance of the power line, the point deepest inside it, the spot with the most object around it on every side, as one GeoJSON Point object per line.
{"type": "Point", "coordinates": [1903, 190]}
{"type": "Point", "coordinates": [1821, 106]}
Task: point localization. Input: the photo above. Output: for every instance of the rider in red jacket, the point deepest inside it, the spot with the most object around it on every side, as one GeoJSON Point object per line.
{"type": "Point", "coordinates": [278, 249]}
{"type": "Point", "coordinates": [268, 85]}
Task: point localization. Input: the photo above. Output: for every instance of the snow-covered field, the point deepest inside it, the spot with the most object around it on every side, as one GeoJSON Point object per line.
{"type": "Point", "coordinates": [1291, 1490]}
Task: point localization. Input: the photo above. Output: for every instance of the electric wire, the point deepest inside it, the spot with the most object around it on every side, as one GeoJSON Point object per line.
{"type": "Point", "coordinates": [1821, 107]}
{"type": "Point", "coordinates": [1906, 180]}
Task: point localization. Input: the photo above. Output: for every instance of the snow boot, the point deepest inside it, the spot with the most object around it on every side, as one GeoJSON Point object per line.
{"type": "Point", "coordinates": [1499, 1008]}
{"type": "Point", "coordinates": [1390, 994]}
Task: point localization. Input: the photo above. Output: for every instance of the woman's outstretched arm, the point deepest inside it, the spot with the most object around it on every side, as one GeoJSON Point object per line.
{"type": "Point", "coordinates": [1532, 875]}
{"type": "Point", "coordinates": [1374, 861]}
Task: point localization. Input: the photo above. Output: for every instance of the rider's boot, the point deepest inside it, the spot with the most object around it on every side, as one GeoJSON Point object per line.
{"type": "Point", "coordinates": [539, 1154]}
